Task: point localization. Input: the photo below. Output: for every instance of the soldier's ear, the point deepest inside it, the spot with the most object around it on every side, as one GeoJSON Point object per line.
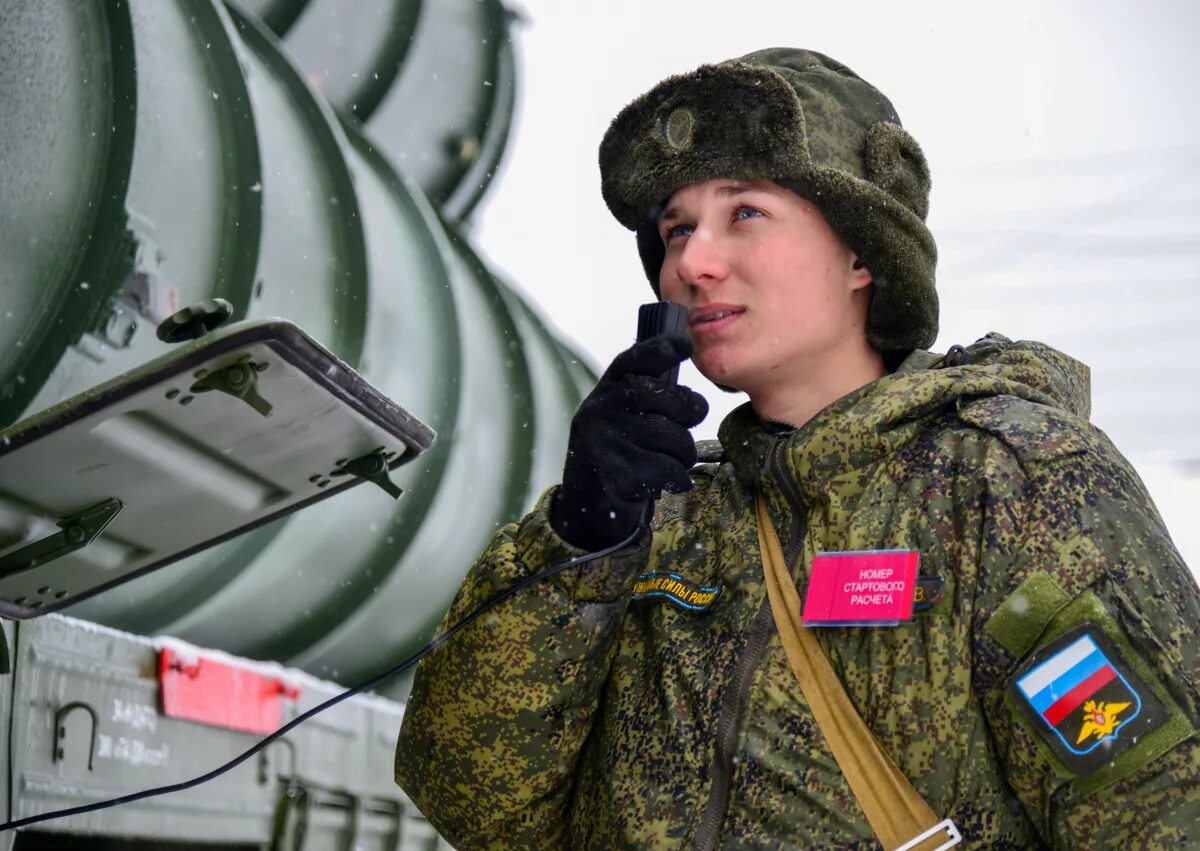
{"type": "Point", "coordinates": [860, 275]}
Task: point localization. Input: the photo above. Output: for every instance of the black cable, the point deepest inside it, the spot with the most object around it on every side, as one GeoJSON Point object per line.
{"type": "Point", "coordinates": [336, 699]}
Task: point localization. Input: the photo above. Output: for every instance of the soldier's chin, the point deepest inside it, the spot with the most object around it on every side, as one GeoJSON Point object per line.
{"type": "Point", "coordinates": [723, 381]}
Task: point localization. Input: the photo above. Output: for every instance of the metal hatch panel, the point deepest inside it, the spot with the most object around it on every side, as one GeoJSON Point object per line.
{"type": "Point", "coordinates": [177, 456]}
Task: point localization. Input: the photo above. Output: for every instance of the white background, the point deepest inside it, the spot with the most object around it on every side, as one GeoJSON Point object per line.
{"type": "Point", "coordinates": [1064, 142]}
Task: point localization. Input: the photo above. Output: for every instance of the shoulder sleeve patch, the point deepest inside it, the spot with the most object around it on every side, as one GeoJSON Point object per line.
{"type": "Point", "coordinates": [1093, 705]}
{"type": "Point", "coordinates": [1085, 701]}
{"type": "Point", "coordinates": [1034, 432]}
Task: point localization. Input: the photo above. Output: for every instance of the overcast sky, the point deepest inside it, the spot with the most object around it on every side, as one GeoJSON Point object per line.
{"type": "Point", "coordinates": [1063, 142]}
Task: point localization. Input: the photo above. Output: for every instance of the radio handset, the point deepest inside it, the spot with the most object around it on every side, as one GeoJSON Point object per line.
{"type": "Point", "coordinates": [663, 317]}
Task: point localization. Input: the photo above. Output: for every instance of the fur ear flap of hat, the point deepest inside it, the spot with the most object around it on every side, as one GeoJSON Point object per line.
{"type": "Point", "coordinates": [809, 123]}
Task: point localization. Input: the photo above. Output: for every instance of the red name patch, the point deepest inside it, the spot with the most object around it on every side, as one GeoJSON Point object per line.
{"type": "Point", "coordinates": [868, 588]}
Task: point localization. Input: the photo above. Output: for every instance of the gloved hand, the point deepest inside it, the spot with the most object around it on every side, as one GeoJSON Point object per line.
{"type": "Point", "coordinates": [629, 441]}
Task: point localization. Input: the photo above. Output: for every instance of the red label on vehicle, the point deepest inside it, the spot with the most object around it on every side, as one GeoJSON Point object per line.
{"type": "Point", "coordinates": [211, 692]}
{"type": "Point", "coordinates": [868, 588]}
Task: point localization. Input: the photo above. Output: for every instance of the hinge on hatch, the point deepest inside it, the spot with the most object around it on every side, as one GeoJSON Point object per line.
{"type": "Point", "coordinates": [78, 531]}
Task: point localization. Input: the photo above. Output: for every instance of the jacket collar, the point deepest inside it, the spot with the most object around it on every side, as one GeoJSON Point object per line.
{"type": "Point", "coordinates": [838, 439]}
{"type": "Point", "coordinates": [877, 419]}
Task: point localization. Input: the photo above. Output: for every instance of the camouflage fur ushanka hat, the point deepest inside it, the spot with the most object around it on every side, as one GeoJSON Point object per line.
{"type": "Point", "coordinates": [809, 123]}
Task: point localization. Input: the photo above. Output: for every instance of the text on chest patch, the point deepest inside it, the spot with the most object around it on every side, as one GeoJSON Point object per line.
{"type": "Point", "coordinates": [676, 589]}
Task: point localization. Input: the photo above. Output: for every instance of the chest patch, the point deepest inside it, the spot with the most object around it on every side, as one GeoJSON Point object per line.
{"type": "Point", "coordinates": [676, 589]}
{"type": "Point", "coordinates": [929, 592]}
{"type": "Point", "coordinates": [861, 588]}
{"type": "Point", "coordinates": [1084, 700]}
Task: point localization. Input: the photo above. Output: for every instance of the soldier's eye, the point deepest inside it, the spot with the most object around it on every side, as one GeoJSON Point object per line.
{"type": "Point", "coordinates": [676, 230]}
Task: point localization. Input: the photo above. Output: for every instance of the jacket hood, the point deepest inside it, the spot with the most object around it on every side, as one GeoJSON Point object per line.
{"type": "Point", "coordinates": [878, 418]}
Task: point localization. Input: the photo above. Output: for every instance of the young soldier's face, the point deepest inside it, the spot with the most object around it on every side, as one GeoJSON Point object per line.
{"type": "Point", "coordinates": [771, 291]}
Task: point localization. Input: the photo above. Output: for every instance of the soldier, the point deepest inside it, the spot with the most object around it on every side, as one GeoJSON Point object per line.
{"type": "Point", "coordinates": [1043, 692]}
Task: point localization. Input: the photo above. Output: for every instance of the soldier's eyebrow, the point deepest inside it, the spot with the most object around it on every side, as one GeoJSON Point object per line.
{"type": "Point", "coordinates": [734, 188]}
{"type": "Point", "coordinates": [669, 215]}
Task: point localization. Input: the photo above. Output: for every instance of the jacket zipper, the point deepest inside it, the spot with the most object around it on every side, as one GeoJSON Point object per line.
{"type": "Point", "coordinates": [727, 728]}
{"type": "Point", "coordinates": [733, 702]}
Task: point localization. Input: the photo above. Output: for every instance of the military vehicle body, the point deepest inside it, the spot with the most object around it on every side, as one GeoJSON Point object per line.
{"type": "Point", "coordinates": [310, 160]}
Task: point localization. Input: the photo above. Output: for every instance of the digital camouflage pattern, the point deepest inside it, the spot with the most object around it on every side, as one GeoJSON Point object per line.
{"type": "Point", "coordinates": [571, 717]}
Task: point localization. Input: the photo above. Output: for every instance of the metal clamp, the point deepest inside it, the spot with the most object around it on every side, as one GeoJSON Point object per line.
{"type": "Point", "coordinates": [78, 531]}
{"type": "Point", "coordinates": [954, 837]}
{"type": "Point", "coordinates": [238, 380]}
{"type": "Point", "coordinates": [372, 467]}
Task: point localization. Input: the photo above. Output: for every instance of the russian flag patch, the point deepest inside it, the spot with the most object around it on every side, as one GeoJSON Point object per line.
{"type": "Point", "coordinates": [1084, 701]}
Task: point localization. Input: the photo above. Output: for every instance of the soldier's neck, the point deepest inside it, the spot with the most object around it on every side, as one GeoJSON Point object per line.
{"type": "Point", "coordinates": [812, 389]}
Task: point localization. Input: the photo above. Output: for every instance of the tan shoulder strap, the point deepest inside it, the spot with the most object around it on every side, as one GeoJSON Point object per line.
{"type": "Point", "coordinates": [895, 810]}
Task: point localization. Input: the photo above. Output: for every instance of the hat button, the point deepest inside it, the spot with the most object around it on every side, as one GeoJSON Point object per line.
{"type": "Point", "coordinates": [678, 129]}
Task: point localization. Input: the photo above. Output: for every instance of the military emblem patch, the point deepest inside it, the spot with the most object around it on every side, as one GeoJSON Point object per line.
{"type": "Point", "coordinates": [1084, 700]}
{"type": "Point", "coordinates": [673, 587]}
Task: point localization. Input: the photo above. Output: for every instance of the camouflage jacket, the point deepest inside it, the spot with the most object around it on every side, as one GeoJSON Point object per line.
{"type": "Point", "coordinates": [646, 702]}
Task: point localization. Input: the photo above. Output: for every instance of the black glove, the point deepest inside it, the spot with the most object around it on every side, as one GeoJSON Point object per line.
{"type": "Point", "coordinates": [629, 441]}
